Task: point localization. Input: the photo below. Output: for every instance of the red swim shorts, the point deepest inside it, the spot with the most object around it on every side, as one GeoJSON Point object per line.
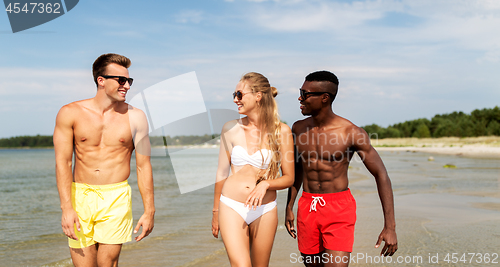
{"type": "Point", "coordinates": [326, 221]}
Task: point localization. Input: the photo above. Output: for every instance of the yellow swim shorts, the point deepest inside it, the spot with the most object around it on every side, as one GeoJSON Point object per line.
{"type": "Point", "coordinates": [105, 213]}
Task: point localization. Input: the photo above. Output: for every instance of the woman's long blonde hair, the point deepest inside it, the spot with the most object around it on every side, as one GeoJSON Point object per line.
{"type": "Point", "coordinates": [269, 121]}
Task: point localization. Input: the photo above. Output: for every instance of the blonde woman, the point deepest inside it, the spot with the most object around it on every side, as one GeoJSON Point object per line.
{"type": "Point", "coordinates": [254, 148]}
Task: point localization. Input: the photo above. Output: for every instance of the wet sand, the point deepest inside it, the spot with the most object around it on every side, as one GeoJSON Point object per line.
{"type": "Point", "coordinates": [457, 225]}
{"type": "Point", "coordinates": [431, 224]}
{"type": "Point", "coordinates": [438, 212]}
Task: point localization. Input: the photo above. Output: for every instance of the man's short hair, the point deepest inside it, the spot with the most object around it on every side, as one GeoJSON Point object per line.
{"type": "Point", "coordinates": [100, 64]}
{"type": "Point", "coordinates": [325, 76]}
{"type": "Point", "coordinates": [322, 76]}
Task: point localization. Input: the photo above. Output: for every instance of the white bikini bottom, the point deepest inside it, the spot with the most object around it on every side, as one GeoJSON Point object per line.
{"type": "Point", "coordinates": [249, 215]}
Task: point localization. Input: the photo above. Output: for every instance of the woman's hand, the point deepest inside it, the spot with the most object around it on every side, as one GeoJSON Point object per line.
{"type": "Point", "coordinates": [215, 224]}
{"type": "Point", "coordinates": [255, 197]}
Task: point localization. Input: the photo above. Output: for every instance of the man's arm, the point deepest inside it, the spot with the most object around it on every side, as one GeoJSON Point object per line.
{"type": "Point", "coordinates": [293, 190]}
{"type": "Point", "coordinates": [376, 167]}
{"type": "Point", "coordinates": [63, 148]}
{"type": "Point", "coordinates": [144, 172]}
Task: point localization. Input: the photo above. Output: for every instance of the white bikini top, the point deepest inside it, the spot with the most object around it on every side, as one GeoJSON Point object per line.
{"type": "Point", "coordinates": [240, 157]}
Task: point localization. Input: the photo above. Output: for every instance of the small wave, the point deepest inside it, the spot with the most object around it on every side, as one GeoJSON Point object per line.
{"type": "Point", "coordinates": [204, 260]}
{"type": "Point", "coordinates": [61, 263]}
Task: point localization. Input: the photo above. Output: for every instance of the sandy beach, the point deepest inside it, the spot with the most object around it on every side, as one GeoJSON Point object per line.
{"type": "Point", "coordinates": [479, 147]}
{"type": "Point", "coordinates": [439, 211]}
{"type": "Point", "coordinates": [435, 217]}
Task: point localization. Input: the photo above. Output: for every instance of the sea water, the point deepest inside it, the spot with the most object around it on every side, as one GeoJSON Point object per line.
{"type": "Point", "coordinates": [30, 226]}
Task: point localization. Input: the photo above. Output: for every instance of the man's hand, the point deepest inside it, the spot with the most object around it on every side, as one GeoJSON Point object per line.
{"type": "Point", "coordinates": [289, 222]}
{"type": "Point", "coordinates": [147, 222]}
{"type": "Point", "coordinates": [391, 242]}
{"type": "Point", "coordinates": [68, 220]}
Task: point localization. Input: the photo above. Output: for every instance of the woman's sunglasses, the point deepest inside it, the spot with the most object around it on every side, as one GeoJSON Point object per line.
{"type": "Point", "coordinates": [239, 94]}
{"type": "Point", "coordinates": [121, 80]}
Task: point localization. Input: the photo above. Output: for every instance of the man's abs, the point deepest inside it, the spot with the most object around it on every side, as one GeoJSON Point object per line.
{"type": "Point", "coordinates": [325, 186]}
{"type": "Point", "coordinates": [325, 177]}
{"type": "Point", "coordinates": [97, 166]}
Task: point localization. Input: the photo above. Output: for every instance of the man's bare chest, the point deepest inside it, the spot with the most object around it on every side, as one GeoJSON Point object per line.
{"type": "Point", "coordinates": [325, 146]}
{"type": "Point", "coordinates": [103, 131]}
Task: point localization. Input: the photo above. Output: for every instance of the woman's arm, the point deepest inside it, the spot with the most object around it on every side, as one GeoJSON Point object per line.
{"type": "Point", "coordinates": [222, 173]}
{"type": "Point", "coordinates": [287, 170]}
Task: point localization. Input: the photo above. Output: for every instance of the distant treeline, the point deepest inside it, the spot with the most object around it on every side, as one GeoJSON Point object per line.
{"type": "Point", "coordinates": [183, 140]}
{"type": "Point", "coordinates": [481, 122]}
{"type": "Point", "coordinates": [27, 141]}
{"type": "Point", "coordinates": [46, 140]}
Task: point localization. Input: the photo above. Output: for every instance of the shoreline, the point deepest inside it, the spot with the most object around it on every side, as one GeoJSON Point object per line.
{"type": "Point", "coordinates": [489, 141]}
{"type": "Point", "coordinates": [466, 151]}
{"type": "Point", "coordinates": [435, 210]}
{"type": "Point", "coordinates": [25, 148]}
{"type": "Point", "coordinates": [476, 147]}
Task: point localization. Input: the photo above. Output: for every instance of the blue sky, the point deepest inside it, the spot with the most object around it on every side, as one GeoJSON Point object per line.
{"type": "Point", "coordinates": [396, 60]}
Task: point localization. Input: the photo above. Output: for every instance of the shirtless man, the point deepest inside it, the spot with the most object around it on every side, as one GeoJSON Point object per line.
{"type": "Point", "coordinates": [95, 199]}
{"type": "Point", "coordinates": [326, 213]}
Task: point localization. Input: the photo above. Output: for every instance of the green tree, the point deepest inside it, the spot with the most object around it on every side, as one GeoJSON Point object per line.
{"type": "Point", "coordinates": [422, 131]}
{"type": "Point", "coordinates": [493, 128]}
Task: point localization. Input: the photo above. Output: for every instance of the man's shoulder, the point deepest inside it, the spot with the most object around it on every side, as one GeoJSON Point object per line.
{"type": "Point", "coordinates": [137, 118]}
{"type": "Point", "coordinates": [133, 110]}
{"type": "Point", "coordinates": [77, 104]}
{"type": "Point", "coordinates": [354, 132]}
{"type": "Point", "coordinates": [301, 124]}
{"type": "Point", "coordinates": [74, 107]}
{"type": "Point", "coordinates": [347, 125]}
{"type": "Point", "coordinates": [70, 113]}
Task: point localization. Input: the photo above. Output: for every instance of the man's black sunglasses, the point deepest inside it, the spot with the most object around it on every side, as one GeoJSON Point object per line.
{"type": "Point", "coordinates": [121, 79]}
{"type": "Point", "coordinates": [305, 94]}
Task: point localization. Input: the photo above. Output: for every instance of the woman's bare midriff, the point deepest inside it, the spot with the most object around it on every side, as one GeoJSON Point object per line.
{"type": "Point", "coordinates": [239, 185]}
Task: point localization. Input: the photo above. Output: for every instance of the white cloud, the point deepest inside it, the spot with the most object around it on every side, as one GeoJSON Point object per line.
{"type": "Point", "coordinates": [375, 71]}
{"type": "Point", "coordinates": [446, 24]}
{"type": "Point", "coordinates": [35, 90]}
{"type": "Point", "coordinates": [260, 1]}
{"type": "Point", "coordinates": [491, 56]}
{"type": "Point", "coordinates": [31, 97]}
{"type": "Point", "coordinates": [189, 16]}
{"type": "Point", "coordinates": [431, 65]}
{"type": "Point", "coordinates": [317, 16]}
{"type": "Point", "coordinates": [44, 82]}
{"type": "Point", "coordinates": [440, 19]}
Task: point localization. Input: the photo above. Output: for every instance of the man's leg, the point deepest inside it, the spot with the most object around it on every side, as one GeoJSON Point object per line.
{"type": "Point", "coordinates": [338, 231]}
{"type": "Point", "coordinates": [86, 257]}
{"type": "Point", "coordinates": [107, 254]}
{"type": "Point", "coordinates": [337, 258]}
{"type": "Point", "coordinates": [313, 260]}
{"type": "Point", "coordinates": [327, 258]}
